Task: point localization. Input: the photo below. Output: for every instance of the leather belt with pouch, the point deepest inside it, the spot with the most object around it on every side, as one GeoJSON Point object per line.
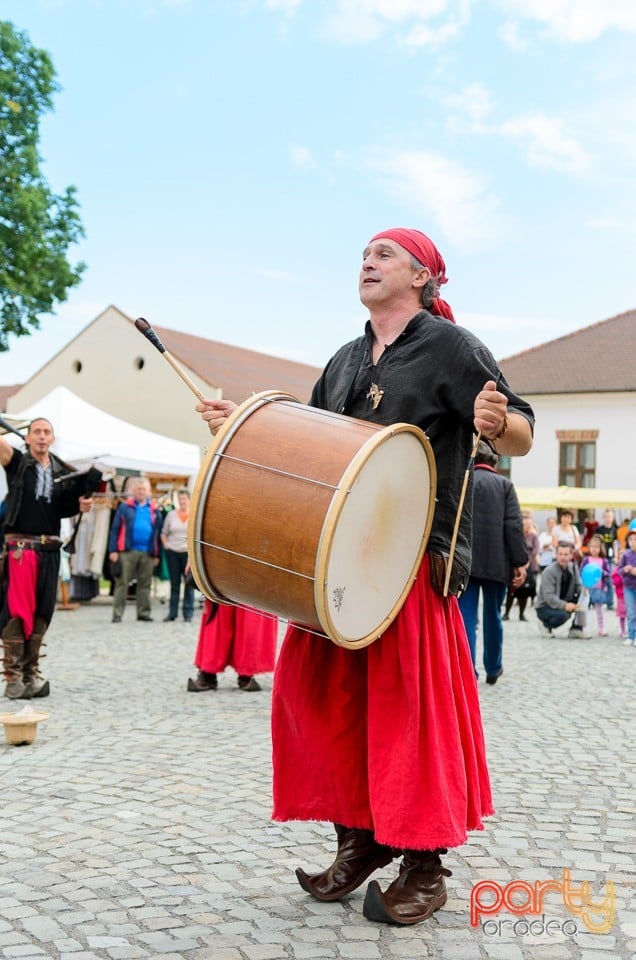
{"type": "Point", "coordinates": [458, 578]}
{"type": "Point", "coordinates": [16, 543]}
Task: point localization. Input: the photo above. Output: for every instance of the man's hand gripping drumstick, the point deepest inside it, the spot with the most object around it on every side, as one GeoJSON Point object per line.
{"type": "Point", "coordinates": [509, 433]}
{"type": "Point", "coordinates": [508, 436]}
{"type": "Point", "coordinates": [215, 412]}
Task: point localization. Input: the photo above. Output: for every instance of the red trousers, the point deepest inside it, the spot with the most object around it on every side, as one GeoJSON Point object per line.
{"type": "Point", "coordinates": [387, 738]}
{"type": "Point", "coordinates": [238, 638]}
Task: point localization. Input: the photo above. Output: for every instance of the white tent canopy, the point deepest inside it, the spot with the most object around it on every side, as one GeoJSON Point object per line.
{"type": "Point", "coordinates": [86, 435]}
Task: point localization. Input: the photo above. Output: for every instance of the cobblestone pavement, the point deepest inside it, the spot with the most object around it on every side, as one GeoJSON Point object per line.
{"type": "Point", "coordinates": [137, 824]}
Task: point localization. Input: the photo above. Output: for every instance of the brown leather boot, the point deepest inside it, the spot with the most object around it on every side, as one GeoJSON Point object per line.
{"type": "Point", "coordinates": [34, 683]}
{"type": "Point", "coordinates": [13, 647]}
{"type": "Point", "coordinates": [415, 895]}
{"type": "Point", "coordinates": [358, 856]}
{"type": "Point", "coordinates": [203, 681]}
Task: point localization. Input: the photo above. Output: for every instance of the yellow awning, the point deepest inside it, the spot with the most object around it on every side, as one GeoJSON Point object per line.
{"type": "Point", "coordinates": [578, 498]}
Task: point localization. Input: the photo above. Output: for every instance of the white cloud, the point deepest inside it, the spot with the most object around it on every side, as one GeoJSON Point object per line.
{"type": "Point", "coordinates": [361, 21]}
{"type": "Point", "coordinates": [474, 101]}
{"type": "Point", "coordinates": [614, 124]}
{"type": "Point", "coordinates": [435, 22]}
{"type": "Point", "coordinates": [549, 148]}
{"type": "Point", "coordinates": [511, 37]}
{"type": "Point", "coordinates": [302, 157]}
{"type": "Point", "coordinates": [425, 35]}
{"type": "Point", "coordinates": [575, 21]}
{"type": "Point", "coordinates": [432, 187]}
{"type": "Point", "coordinates": [286, 6]}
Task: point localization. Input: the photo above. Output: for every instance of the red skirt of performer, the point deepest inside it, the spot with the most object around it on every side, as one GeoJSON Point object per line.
{"type": "Point", "coordinates": [387, 738]}
{"type": "Point", "coordinates": [234, 637]}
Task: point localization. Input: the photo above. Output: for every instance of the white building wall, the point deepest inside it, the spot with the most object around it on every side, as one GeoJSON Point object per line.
{"type": "Point", "coordinates": [114, 367]}
{"type": "Point", "coordinates": [612, 414]}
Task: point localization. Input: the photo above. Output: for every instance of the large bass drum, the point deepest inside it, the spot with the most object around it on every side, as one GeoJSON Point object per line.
{"type": "Point", "coordinates": [315, 517]}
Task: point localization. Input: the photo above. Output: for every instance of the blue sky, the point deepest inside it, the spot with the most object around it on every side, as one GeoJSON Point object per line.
{"type": "Point", "coordinates": [232, 159]}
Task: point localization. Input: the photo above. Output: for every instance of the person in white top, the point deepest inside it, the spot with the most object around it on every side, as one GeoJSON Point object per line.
{"type": "Point", "coordinates": [565, 531]}
{"type": "Point", "coordinates": [175, 543]}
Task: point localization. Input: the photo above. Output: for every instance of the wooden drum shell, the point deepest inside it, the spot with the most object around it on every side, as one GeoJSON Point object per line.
{"type": "Point", "coordinates": [265, 504]}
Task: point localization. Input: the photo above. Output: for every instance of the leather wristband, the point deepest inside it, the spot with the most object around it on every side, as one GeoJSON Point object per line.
{"type": "Point", "coordinates": [504, 427]}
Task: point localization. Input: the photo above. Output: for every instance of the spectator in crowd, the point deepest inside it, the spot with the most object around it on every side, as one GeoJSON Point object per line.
{"type": "Point", "coordinates": [627, 570]}
{"type": "Point", "coordinates": [559, 593]}
{"type": "Point", "coordinates": [498, 554]}
{"type": "Point", "coordinates": [619, 590]}
{"type": "Point", "coordinates": [608, 532]}
{"type": "Point", "coordinates": [566, 532]}
{"type": "Point", "coordinates": [621, 533]}
{"type": "Point", "coordinates": [599, 593]}
{"type": "Point", "coordinates": [134, 546]}
{"type": "Point", "coordinates": [547, 548]}
{"type": "Point", "coordinates": [527, 589]}
{"type": "Point", "coordinates": [590, 525]}
{"type": "Point", "coordinates": [174, 539]}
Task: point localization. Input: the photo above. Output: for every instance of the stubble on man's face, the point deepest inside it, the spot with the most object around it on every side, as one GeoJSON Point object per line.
{"type": "Point", "coordinates": [40, 436]}
{"type": "Point", "coordinates": [386, 274]}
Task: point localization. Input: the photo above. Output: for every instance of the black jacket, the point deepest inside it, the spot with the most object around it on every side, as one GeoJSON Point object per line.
{"type": "Point", "coordinates": [499, 543]}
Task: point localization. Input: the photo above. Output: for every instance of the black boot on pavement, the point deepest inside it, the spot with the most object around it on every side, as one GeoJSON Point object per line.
{"type": "Point", "coordinates": [203, 681]}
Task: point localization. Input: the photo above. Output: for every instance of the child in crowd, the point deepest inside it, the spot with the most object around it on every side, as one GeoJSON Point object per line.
{"type": "Point", "coordinates": [627, 570]}
{"type": "Point", "coordinates": [620, 598]}
{"type": "Point", "coordinates": [547, 549]}
{"type": "Point", "coordinates": [599, 594]}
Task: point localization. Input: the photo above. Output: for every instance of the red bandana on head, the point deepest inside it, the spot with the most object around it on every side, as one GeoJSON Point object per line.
{"type": "Point", "coordinates": [424, 250]}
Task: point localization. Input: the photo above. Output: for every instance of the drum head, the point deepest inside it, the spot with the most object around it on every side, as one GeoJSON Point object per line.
{"type": "Point", "coordinates": [374, 535]}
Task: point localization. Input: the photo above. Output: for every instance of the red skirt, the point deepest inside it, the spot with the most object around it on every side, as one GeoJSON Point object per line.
{"type": "Point", "coordinates": [233, 637]}
{"type": "Point", "coordinates": [387, 738]}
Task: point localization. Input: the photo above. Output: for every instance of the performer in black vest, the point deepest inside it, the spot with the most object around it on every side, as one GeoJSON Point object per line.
{"type": "Point", "coordinates": [35, 504]}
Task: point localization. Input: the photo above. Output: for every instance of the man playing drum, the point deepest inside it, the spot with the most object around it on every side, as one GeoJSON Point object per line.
{"type": "Point", "coordinates": [386, 742]}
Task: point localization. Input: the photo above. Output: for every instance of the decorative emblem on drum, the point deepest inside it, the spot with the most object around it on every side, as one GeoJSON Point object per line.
{"type": "Point", "coordinates": [338, 597]}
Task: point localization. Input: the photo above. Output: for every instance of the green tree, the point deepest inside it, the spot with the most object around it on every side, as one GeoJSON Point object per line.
{"type": "Point", "coordinates": [36, 226]}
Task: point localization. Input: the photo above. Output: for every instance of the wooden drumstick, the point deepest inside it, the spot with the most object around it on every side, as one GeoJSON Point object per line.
{"type": "Point", "coordinates": [458, 517]}
{"type": "Point", "coordinates": [144, 327]}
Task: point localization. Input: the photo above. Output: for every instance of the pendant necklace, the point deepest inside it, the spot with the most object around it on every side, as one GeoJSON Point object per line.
{"type": "Point", "coordinates": [375, 395]}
